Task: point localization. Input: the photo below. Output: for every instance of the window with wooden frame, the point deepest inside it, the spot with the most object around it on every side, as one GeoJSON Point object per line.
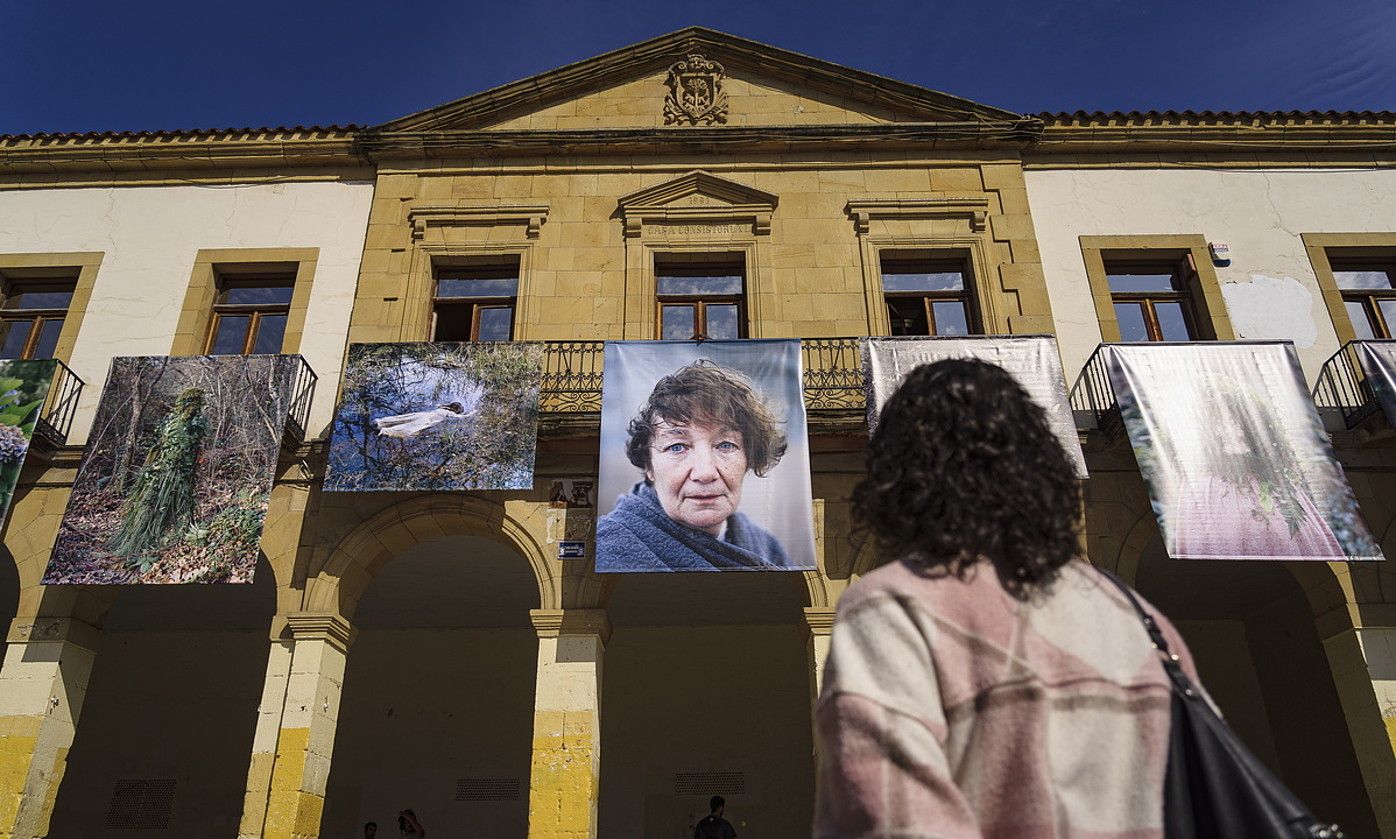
{"type": "Point", "coordinates": [475, 301]}
{"type": "Point", "coordinates": [250, 313]}
{"type": "Point", "coordinates": [32, 315]}
{"type": "Point", "coordinates": [927, 293]}
{"type": "Point", "coordinates": [1369, 294]}
{"type": "Point", "coordinates": [1153, 298]}
{"type": "Point", "coordinates": [700, 296]}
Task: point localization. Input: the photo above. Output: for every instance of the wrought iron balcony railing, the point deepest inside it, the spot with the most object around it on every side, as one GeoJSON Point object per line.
{"type": "Point", "coordinates": [1342, 384]}
{"type": "Point", "coordinates": [56, 418]}
{"type": "Point", "coordinates": [572, 376]}
{"type": "Point", "coordinates": [1092, 394]}
{"type": "Point", "coordinates": [302, 395]}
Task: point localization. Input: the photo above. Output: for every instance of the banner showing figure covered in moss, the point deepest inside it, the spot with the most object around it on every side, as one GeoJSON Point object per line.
{"type": "Point", "coordinates": [1237, 462]}
{"type": "Point", "coordinates": [444, 416]}
{"type": "Point", "coordinates": [24, 387]}
{"type": "Point", "coordinates": [179, 466]}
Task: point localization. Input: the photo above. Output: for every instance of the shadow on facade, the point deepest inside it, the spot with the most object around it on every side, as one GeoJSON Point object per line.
{"type": "Point", "coordinates": [437, 710]}
{"type": "Point", "coordinates": [170, 712]}
{"type": "Point", "coordinates": [1252, 633]}
{"type": "Point", "coordinates": [706, 691]}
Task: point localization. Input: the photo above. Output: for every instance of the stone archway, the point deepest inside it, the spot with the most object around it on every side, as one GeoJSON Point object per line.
{"type": "Point", "coordinates": [707, 691]}
{"type": "Point", "coordinates": [338, 582]}
{"type": "Point", "coordinates": [437, 707]}
{"type": "Point", "coordinates": [1253, 630]}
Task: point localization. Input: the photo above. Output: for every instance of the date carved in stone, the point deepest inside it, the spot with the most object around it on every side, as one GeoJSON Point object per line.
{"type": "Point", "coordinates": [695, 95]}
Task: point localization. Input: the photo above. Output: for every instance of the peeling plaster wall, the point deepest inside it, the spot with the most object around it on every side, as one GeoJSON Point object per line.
{"type": "Point", "coordinates": [149, 237]}
{"type": "Point", "coordinates": [1260, 214]}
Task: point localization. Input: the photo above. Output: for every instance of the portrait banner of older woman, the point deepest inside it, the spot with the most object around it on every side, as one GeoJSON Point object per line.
{"type": "Point", "coordinates": [704, 458]}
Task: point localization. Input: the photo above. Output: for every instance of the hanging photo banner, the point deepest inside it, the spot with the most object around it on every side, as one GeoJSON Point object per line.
{"type": "Point", "coordinates": [704, 458]}
{"type": "Point", "coordinates": [436, 417]}
{"type": "Point", "coordinates": [1237, 462]}
{"type": "Point", "coordinates": [1378, 360]}
{"type": "Point", "coordinates": [173, 486]}
{"type": "Point", "coordinates": [1032, 360]}
{"type": "Point", "coordinates": [24, 387]}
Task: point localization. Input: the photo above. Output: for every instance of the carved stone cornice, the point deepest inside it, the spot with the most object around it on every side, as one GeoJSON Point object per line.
{"type": "Point", "coordinates": [146, 154]}
{"type": "Point", "coordinates": [454, 143]}
{"type": "Point", "coordinates": [864, 210]}
{"type": "Point", "coordinates": [321, 626]}
{"type": "Point", "coordinates": [697, 198]}
{"type": "Point", "coordinates": [1323, 134]}
{"type": "Point", "coordinates": [555, 623]}
{"type": "Point", "coordinates": [819, 620]}
{"type": "Point", "coordinates": [423, 216]}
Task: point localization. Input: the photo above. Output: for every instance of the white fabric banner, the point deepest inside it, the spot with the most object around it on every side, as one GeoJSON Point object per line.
{"type": "Point", "coordinates": [1378, 360]}
{"type": "Point", "coordinates": [1032, 360]}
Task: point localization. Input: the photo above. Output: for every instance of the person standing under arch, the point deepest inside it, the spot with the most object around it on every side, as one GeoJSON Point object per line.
{"type": "Point", "coordinates": [713, 825]}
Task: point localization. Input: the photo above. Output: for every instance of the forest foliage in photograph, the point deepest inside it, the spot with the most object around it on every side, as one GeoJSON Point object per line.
{"type": "Point", "coordinates": [178, 470]}
{"type": "Point", "coordinates": [438, 416]}
{"type": "Point", "coordinates": [24, 386]}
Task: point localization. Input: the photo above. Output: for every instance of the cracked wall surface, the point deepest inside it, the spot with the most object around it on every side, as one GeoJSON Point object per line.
{"type": "Point", "coordinates": [1259, 214]}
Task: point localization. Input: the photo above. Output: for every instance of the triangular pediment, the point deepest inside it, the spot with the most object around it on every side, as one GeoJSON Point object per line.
{"type": "Point", "coordinates": [697, 189]}
{"type": "Point", "coordinates": [697, 197]}
{"type": "Point", "coordinates": [756, 85]}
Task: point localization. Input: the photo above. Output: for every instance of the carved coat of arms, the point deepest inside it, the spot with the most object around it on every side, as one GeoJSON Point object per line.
{"type": "Point", "coordinates": [695, 93]}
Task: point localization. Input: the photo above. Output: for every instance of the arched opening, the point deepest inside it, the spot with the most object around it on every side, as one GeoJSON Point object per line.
{"type": "Point", "coordinates": [171, 707]}
{"type": "Point", "coordinates": [437, 710]}
{"type": "Point", "coordinates": [706, 690]}
{"type": "Point", "coordinates": [1252, 633]}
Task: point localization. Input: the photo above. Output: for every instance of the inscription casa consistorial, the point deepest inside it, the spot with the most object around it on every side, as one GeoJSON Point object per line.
{"type": "Point", "coordinates": [695, 95]}
{"type": "Point", "coordinates": [700, 229]}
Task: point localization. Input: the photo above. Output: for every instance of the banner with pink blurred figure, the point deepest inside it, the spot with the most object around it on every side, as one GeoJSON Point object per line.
{"type": "Point", "coordinates": [1236, 459]}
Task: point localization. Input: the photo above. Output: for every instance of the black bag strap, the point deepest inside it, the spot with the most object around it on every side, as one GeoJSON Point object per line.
{"type": "Point", "coordinates": [1172, 663]}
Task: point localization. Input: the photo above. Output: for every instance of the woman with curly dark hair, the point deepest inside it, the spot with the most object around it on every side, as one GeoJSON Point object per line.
{"type": "Point", "coordinates": [987, 681]}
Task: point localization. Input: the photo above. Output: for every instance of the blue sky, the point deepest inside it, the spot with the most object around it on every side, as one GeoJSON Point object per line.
{"type": "Point", "coordinates": [112, 65]}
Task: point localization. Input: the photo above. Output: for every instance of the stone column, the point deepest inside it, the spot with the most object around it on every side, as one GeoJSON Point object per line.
{"type": "Point", "coordinates": [565, 774]}
{"type": "Point", "coordinates": [1363, 662]}
{"type": "Point", "coordinates": [47, 664]}
{"type": "Point", "coordinates": [295, 731]}
{"type": "Point", "coordinates": [1379, 653]}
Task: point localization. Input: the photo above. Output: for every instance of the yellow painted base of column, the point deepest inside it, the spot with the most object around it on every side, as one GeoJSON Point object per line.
{"type": "Point", "coordinates": [564, 782]}
{"type": "Point", "coordinates": [1391, 730]}
{"type": "Point", "coordinates": [16, 753]}
{"type": "Point", "coordinates": [292, 813]}
{"type": "Point", "coordinates": [19, 738]}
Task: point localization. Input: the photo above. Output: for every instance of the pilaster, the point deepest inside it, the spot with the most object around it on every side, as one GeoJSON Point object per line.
{"type": "Point", "coordinates": [565, 778]}
{"type": "Point", "coordinates": [1363, 664]}
{"type": "Point", "coordinates": [296, 721]}
{"type": "Point", "coordinates": [48, 662]}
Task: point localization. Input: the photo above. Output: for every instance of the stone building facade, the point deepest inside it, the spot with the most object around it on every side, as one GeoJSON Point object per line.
{"type": "Point", "coordinates": [432, 651]}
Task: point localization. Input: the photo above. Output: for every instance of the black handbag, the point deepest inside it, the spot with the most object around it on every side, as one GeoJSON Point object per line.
{"type": "Point", "coordinates": [1214, 788]}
